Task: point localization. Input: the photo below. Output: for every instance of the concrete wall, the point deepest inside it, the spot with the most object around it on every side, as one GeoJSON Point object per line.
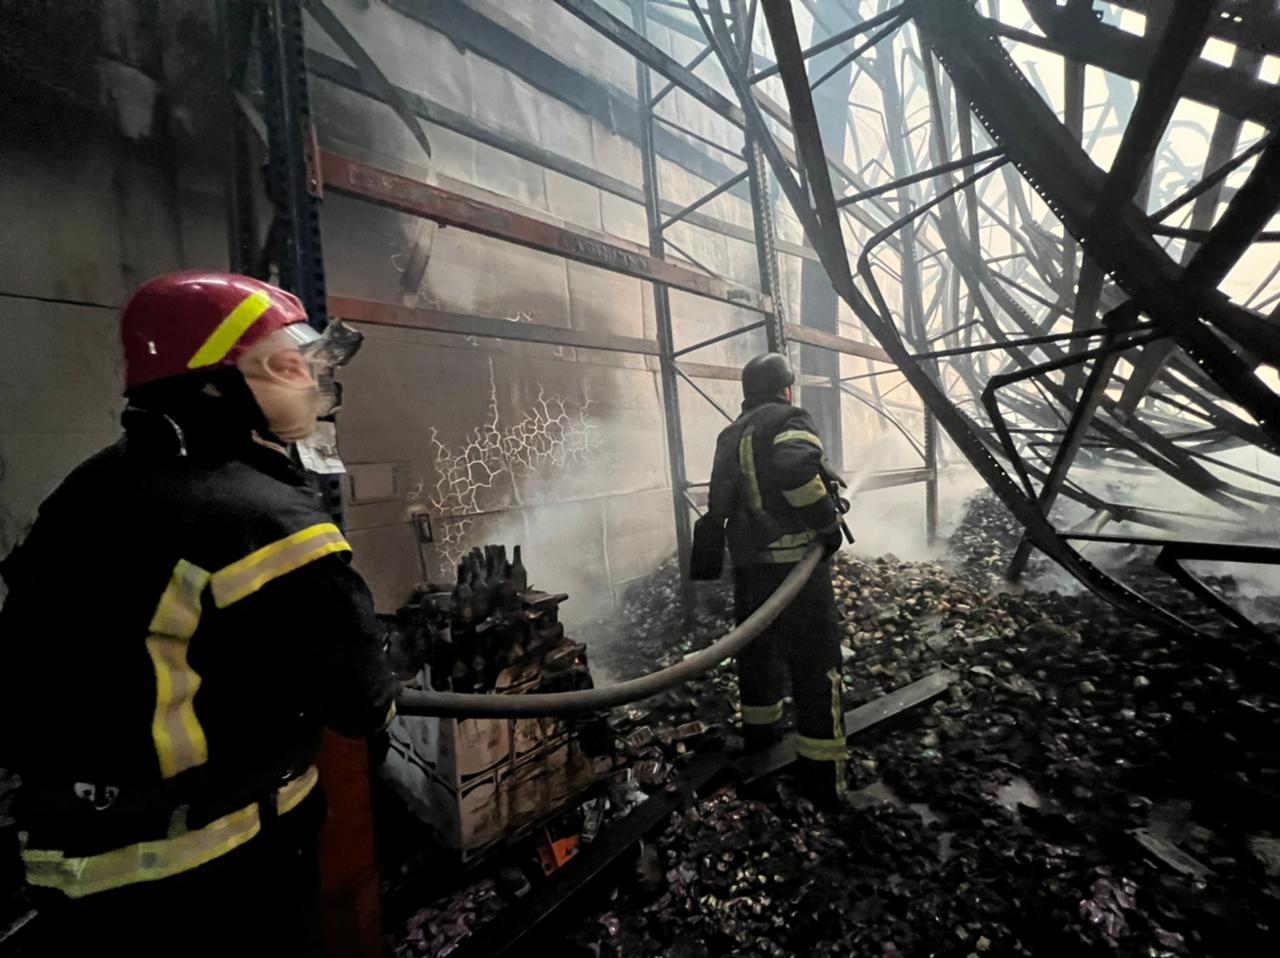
{"type": "Point", "coordinates": [561, 449]}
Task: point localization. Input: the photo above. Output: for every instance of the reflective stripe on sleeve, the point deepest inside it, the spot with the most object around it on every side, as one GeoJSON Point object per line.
{"type": "Point", "coordinates": [793, 540]}
{"type": "Point", "coordinates": [747, 462]}
{"type": "Point", "coordinates": [228, 332]}
{"type": "Point", "coordinates": [175, 730]}
{"type": "Point", "coordinates": [815, 490]}
{"type": "Point", "coordinates": [163, 858]}
{"type": "Point", "coordinates": [248, 575]}
{"type": "Point", "coordinates": [779, 556]}
{"type": "Point", "coordinates": [797, 435]}
{"type": "Point", "coordinates": [762, 714]}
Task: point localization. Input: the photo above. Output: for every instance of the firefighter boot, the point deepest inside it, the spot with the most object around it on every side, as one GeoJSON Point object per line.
{"type": "Point", "coordinates": [822, 782]}
{"type": "Point", "coordinates": [760, 738]}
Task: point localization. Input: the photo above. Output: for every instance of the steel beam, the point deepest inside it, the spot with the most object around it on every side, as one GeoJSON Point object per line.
{"type": "Point", "coordinates": [464, 324]}
{"type": "Point", "coordinates": [733, 374]}
{"type": "Point", "coordinates": [949, 167]}
{"type": "Point", "coordinates": [335, 71]}
{"type": "Point", "coordinates": [294, 180]}
{"type": "Point", "coordinates": [1122, 53]}
{"type": "Point", "coordinates": [667, 372]}
{"type": "Point", "coordinates": [495, 35]}
{"type": "Point", "coordinates": [823, 231]}
{"type": "Point", "coordinates": [840, 344]}
{"type": "Point", "coordinates": [636, 44]}
{"type": "Point", "coordinates": [236, 30]}
{"type": "Point", "coordinates": [1010, 109]}
{"type": "Point", "coordinates": [1064, 458]}
{"type": "Point", "coordinates": [1249, 24]}
{"type": "Point", "coordinates": [343, 174]}
{"type": "Point", "coordinates": [721, 337]}
{"type": "Point", "coordinates": [766, 233]}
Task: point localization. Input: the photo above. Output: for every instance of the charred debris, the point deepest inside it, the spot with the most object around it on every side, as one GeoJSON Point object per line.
{"type": "Point", "coordinates": [1085, 785]}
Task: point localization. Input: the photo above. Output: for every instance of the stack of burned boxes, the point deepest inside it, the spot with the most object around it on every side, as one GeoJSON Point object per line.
{"type": "Point", "coordinates": [477, 782]}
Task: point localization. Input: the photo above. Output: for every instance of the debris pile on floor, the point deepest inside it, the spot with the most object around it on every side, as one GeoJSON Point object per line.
{"type": "Point", "coordinates": [1089, 785]}
{"type": "Point", "coordinates": [987, 536]}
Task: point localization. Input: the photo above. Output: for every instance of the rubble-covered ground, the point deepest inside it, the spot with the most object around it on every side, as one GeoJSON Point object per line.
{"type": "Point", "coordinates": [1088, 786]}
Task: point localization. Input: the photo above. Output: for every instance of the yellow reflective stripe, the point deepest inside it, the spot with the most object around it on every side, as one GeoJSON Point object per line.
{"type": "Point", "coordinates": [821, 749]}
{"type": "Point", "coordinates": [162, 858]}
{"type": "Point", "coordinates": [794, 539]}
{"type": "Point", "coordinates": [143, 862]}
{"type": "Point", "coordinates": [290, 796]}
{"type": "Point", "coordinates": [837, 726]}
{"type": "Point", "coordinates": [762, 714]}
{"type": "Point", "coordinates": [228, 332]}
{"type": "Point", "coordinates": [246, 576]}
{"type": "Point", "coordinates": [175, 730]}
{"type": "Point", "coordinates": [179, 739]}
{"type": "Point", "coordinates": [747, 462]}
{"type": "Point", "coordinates": [799, 435]}
{"type": "Point", "coordinates": [815, 490]}
{"type": "Point", "coordinates": [782, 555]}
{"type": "Point", "coordinates": [178, 613]}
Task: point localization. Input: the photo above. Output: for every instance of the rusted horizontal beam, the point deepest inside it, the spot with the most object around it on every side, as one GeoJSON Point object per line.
{"type": "Point", "coordinates": [734, 374]}
{"type": "Point", "coordinates": [841, 344]}
{"type": "Point", "coordinates": [344, 174]}
{"type": "Point", "coordinates": [442, 321]}
{"type": "Point", "coordinates": [348, 77]}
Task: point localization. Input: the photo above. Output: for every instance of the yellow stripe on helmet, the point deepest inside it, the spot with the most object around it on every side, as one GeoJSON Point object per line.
{"type": "Point", "coordinates": [236, 323]}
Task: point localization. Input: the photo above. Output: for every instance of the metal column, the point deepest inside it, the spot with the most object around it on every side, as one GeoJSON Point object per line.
{"type": "Point", "coordinates": [662, 308]}
{"type": "Point", "coordinates": [293, 183]}
{"type": "Point", "coordinates": [761, 208]}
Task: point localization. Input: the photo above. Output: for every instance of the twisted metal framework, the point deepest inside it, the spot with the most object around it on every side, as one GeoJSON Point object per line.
{"type": "Point", "coordinates": [1051, 280]}
{"type": "Point", "coordinates": [1080, 342]}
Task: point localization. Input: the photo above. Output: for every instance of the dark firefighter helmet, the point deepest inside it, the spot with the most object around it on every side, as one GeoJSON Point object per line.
{"type": "Point", "coordinates": [766, 375]}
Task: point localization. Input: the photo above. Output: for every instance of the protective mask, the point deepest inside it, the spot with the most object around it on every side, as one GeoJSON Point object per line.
{"type": "Point", "coordinates": [291, 411]}
{"type": "Point", "coordinates": [291, 376]}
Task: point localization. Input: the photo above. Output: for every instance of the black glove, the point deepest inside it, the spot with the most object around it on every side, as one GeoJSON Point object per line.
{"type": "Point", "coordinates": [831, 539]}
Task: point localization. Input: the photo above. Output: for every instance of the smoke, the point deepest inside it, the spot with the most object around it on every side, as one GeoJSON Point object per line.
{"type": "Point", "coordinates": [546, 437]}
{"type": "Point", "coordinates": [549, 477]}
{"type": "Point", "coordinates": [891, 520]}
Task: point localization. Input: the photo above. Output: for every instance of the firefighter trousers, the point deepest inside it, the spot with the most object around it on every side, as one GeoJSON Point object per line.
{"type": "Point", "coordinates": [261, 899]}
{"type": "Point", "coordinates": [803, 643]}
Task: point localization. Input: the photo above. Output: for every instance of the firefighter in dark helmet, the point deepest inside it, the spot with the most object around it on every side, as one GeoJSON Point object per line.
{"type": "Point", "coordinates": [181, 623]}
{"type": "Point", "coordinates": [770, 485]}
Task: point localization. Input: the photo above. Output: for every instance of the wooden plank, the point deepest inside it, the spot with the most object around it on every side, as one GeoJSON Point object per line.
{"type": "Point", "coordinates": [886, 706]}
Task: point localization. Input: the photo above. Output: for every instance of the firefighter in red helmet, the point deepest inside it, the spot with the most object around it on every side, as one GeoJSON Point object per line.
{"type": "Point", "coordinates": [181, 623]}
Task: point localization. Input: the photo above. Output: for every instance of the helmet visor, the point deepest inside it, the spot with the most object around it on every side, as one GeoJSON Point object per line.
{"type": "Point", "coordinates": [326, 351]}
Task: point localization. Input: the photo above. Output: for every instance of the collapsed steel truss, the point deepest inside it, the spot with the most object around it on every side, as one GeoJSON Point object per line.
{"type": "Point", "coordinates": [1187, 345]}
{"type": "Point", "coordinates": [1032, 302]}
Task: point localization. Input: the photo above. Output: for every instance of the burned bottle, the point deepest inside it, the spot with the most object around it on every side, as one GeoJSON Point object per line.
{"type": "Point", "coordinates": [519, 575]}
{"type": "Point", "coordinates": [464, 600]}
{"type": "Point", "coordinates": [508, 595]}
{"type": "Point", "coordinates": [441, 657]}
{"type": "Point", "coordinates": [483, 593]}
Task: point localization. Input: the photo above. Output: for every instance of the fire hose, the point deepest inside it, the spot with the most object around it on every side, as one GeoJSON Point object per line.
{"type": "Point", "coordinates": [536, 705]}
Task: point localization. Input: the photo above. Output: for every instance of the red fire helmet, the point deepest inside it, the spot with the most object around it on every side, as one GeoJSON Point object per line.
{"type": "Point", "coordinates": [179, 323]}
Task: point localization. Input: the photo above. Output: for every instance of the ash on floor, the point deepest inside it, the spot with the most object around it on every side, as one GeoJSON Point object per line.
{"type": "Point", "coordinates": [1089, 785]}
